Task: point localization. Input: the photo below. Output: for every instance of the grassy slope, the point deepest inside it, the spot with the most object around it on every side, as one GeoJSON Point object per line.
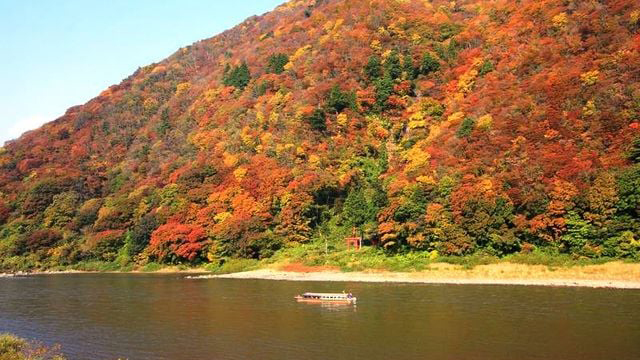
{"type": "Point", "coordinates": [312, 257]}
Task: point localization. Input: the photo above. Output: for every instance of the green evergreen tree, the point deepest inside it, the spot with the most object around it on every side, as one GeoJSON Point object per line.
{"type": "Point", "coordinates": [138, 238]}
{"type": "Point", "coordinates": [579, 233]}
{"type": "Point", "coordinates": [429, 64]}
{"type": "Point", "coordinates": [338, 100]}
{"type": "Point", "coordinates": [356, 208]}
{"type": "Point", "coordinates": [449, 30]}
{"type": "Point", "coordinates": [634, 153]}
{"type": "Point", "coordinates": [485, 68]}
{"type": "Point", "coordinates": [447, 52]}
{"type": "Point", "coordinates": [238, 76]}
{"type": "Point", "coordinates": [628, 189]}
{"type": "Point", "coordinates": [373, 69]}
{"type": "Point", "coordinates": [409, 68]}
{"type": "Point", "coordinates": [384, 89]}
{"type": "Point", "coordinates": [318, 120]}
{"type": "Point", "coordinates": [164, 125]}
{"type": "Point", "coordinates": [276, 63]}
{"type": "Point", "coordinates": [466, 127]}
{"type": "Point", "coordinates": [392, 66]}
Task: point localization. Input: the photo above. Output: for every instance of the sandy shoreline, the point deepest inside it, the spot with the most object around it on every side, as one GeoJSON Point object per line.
{"type": "Point", "coordinates": [613, 275]}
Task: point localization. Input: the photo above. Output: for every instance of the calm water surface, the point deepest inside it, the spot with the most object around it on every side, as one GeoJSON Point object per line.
{"type": "Point", "coordinates": [170, 317]}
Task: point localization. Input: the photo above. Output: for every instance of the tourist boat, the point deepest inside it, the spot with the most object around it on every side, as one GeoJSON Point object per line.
{"type": "Point", "coordinates": [340, 298]}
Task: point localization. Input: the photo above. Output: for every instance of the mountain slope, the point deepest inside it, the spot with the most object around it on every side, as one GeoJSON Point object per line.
{"type": "Point", "coordinates": [431, 125]}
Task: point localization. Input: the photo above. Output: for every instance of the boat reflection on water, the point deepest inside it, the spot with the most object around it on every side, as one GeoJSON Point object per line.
{"type": "Point", "coordinates": [336, 307]}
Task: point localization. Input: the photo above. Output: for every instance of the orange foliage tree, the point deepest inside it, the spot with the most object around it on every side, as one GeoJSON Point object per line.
{"type": "Point", "coordinates": [174, 242]}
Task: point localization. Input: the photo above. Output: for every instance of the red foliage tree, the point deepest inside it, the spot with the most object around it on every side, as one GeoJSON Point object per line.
{"type": "Point", "coordinates": [42, 239]}
{"type": "Point", "coordinates": [175, 241]}
{"type": "Point", "coordinates": [5, 212]}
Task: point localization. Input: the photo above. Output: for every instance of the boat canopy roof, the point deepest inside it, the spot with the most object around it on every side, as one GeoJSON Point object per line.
{"type": "Point", "coordinates": [324, 294]}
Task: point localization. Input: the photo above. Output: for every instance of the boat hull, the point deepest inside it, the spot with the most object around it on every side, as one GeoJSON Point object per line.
{"type": "Point", "coordinates": [346, 301]}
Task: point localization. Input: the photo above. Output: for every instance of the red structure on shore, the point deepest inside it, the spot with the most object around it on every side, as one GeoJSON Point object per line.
{"type": "Point", "coordinates": [355, 241]}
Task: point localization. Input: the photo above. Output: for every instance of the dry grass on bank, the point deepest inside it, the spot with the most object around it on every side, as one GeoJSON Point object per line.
{"type": "Point", "coordinates": [610, 275]}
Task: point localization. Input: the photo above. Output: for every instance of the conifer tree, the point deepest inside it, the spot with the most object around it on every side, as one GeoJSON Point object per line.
{"type": "Point", "coordinates": [429, 64]}
{"type": "Point", "coordinates": [392, 66]}
{"type": "Point", "coordinates": [373, 69]}
{"type": "Point", "coordinates": [238, 76]}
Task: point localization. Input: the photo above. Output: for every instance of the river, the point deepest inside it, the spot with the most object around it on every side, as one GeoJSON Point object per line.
{"type": "Point", "coordinates": [134, 316]}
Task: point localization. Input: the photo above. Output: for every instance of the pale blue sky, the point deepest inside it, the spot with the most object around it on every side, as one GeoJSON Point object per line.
{"type": "Point", "coordinates": [55, 54]}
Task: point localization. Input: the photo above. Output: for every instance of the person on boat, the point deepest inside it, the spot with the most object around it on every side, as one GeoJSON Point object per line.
{"type": "Point", "coordinates": [350, 295]}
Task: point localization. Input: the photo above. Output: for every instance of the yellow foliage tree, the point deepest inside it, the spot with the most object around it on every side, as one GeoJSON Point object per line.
{"type": "Point", "coordinates": [300, 152]}
{"type": "Point", "coordinates": [280, 98]}
{"type": "Point", "coordinates": [182, 88]}
{"type": "Point", "coordinates": [436, 130]}
{"type": "Point", "coordinates": [240, 173]}
{"type": "Point", "coordinates": [342, 120]}
{"type": "Point", "coordinates": [467, 81]}
{"type": "Point", "coordinates": [247, 137]}
{"type": "Point", "coordinates": [221, 217]}
{"type": "Point", "coordinates": [560, 21]}
{"type": "Point", "coordinates": [590, 78]}
{"type": "Point", "coordinates": [266, 139]}
{"type": "Point", "coordinates": [485, 122]}
{"type": "Point", "coordinates": [426, 180]}
{"type": "Point", "coordinates": [150, 105]}
{"type": "Point", "coordinates": [376, 45]}
{"type": "Point", "coordinates": [229, 160]}
{"type": "Point", "coordinates": [635, 17]}
{"type": "Point", "coordinates": [589, 109]}
{"type": "Point", "coordinates": [314, 160]}
{"type": "Point", "coordinates": [260, 117]}
{"type": "Point", "coordinates": [416, 158]}
{"type": "Point", "coordinates": [417, 121]}
{"type": "Point", "coordinates": [273, 118]}
{"type": "Point", "coordinates": [296, 55]}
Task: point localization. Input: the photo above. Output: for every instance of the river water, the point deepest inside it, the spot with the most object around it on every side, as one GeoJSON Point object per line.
{"type": "Point", "coordinates": [111, 316]}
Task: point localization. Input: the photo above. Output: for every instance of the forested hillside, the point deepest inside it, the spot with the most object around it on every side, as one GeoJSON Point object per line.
{"type": "Point", "coordinates": [451, 126]}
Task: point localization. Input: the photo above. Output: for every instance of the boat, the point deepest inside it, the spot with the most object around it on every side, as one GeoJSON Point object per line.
{"type": "Point", "coordinates": [341, 298]}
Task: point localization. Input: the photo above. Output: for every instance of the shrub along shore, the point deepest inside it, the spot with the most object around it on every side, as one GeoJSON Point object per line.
{"type": "Point", "coordinates": [15, 348]}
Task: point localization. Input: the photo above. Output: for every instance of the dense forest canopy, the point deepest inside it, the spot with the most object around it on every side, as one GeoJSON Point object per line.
{"type": "Point", "coordinates": [450, 126]}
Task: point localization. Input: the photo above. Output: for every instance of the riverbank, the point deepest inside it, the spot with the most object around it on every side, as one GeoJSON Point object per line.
{"type": "Point", "coordinates": [531, 270]}
{"type": "Point", "coordinates": [164, 270]}
{"type": "Point", "coordinates": [616, 275]}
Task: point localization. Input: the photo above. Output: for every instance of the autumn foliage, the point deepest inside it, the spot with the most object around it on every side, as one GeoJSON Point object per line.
{"type": "Point", "coordinates": [5, 212]}
{"type": "Point", "coordinates": [451, 126]}
{"type": "Point", "coordinates": [178, 242]}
